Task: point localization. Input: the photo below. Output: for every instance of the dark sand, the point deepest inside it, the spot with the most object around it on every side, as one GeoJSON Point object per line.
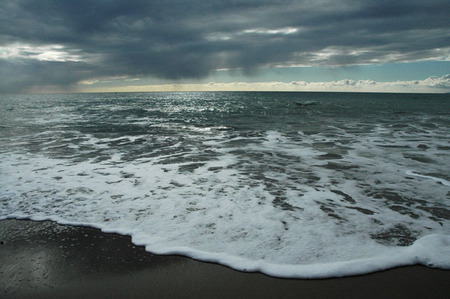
{"type": "Point", "coordinates": [47, 260]}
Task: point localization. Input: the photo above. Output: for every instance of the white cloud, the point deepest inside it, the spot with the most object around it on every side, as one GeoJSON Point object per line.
{"type": "Point", "coordinates": [283, 31]}
{"type": "Point", "coordinates": [431, 84]}
{"type": "Point", "coordinates": [38, 52]}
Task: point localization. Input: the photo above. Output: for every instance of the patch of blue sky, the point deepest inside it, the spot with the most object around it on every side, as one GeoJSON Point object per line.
{"type": "Point", "coordinates": [379, 72]}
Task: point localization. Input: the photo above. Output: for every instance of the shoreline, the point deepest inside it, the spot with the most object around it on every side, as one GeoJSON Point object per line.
{"type": "Point", "coordinates": [43, 259]}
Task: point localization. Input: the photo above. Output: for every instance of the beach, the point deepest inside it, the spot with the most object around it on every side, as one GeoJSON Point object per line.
{"type": "Point", "coordinates": [42, 259]}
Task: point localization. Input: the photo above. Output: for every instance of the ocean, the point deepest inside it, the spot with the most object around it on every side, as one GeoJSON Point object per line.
{"type": "Point", "coordinates": [304, 185]}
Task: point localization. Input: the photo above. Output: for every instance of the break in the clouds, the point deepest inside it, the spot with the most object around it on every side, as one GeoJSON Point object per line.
{"type": "Point", "coordinates": [58, 44]}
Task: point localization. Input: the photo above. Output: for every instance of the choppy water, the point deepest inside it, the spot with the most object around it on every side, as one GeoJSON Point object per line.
{"type": "Point", "coordinates": [291, 184]}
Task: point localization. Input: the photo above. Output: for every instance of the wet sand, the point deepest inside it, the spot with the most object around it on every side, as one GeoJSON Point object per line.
{"type": "Point", "coordinates": [47, 260]}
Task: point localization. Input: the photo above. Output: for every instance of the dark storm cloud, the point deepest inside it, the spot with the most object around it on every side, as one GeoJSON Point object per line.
{"type": "Point", "coordinates": [19, 76]}
{"type": "Point", "coordinates": [189, 39]}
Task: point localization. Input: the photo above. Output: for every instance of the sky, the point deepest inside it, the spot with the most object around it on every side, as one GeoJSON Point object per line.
{"type": "Point", "coordinates": [174, 45]}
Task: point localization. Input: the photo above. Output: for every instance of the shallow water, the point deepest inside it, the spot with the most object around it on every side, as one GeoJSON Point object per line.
{"type": "Point", "coordinates": [291, 184]}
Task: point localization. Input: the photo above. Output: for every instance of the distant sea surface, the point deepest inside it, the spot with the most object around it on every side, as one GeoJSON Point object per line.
{"type": "Point", "coordinates": [291, 184]}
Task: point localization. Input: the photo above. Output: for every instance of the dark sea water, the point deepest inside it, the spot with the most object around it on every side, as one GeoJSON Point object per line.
{"type": "Point", "coordinates": [290, 184]}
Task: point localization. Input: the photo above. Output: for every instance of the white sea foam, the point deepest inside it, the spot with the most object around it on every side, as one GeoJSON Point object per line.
{"type": "Point", "coordinates": [219, 210]}
{"type": "Point", "coordinates": [439, 180]}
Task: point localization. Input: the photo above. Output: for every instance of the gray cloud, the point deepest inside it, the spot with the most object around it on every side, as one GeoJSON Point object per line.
{"type": "Point", "coordinates": [175, 39]}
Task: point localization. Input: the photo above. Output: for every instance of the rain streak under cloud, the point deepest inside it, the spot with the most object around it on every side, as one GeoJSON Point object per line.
{"type": "Point", "coordinates": [60, 44]}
